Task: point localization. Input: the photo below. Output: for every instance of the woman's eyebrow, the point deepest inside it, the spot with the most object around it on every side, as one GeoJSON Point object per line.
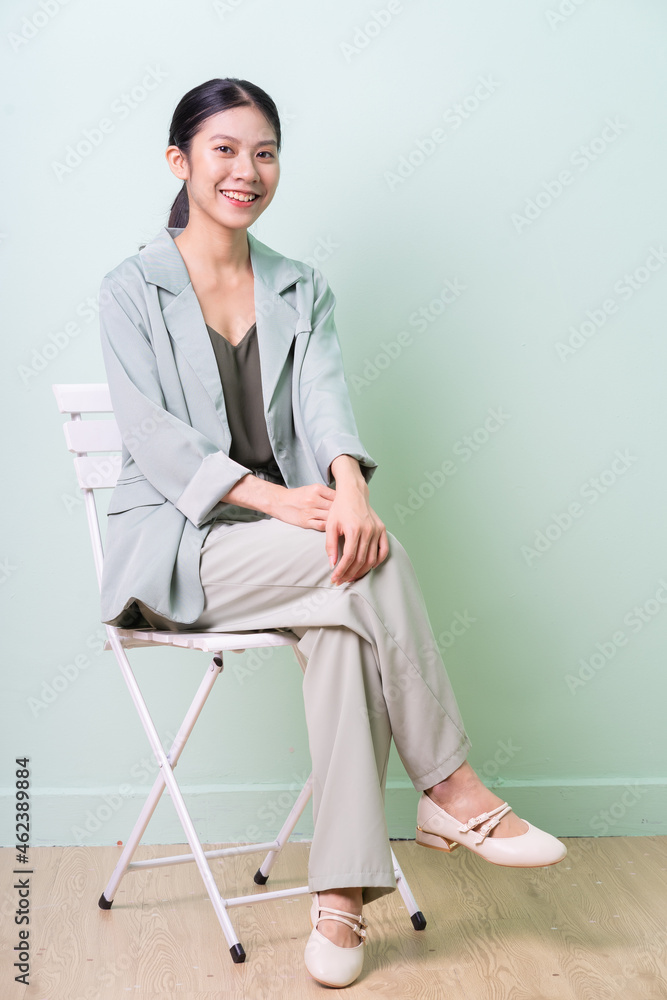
{"type": "Point", "coordinates": [264, 142]}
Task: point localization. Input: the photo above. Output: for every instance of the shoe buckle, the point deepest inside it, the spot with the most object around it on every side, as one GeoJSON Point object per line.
{"type": "Point", "coordinates": [473, 822]}
{"type": "Point", "coordinates": [484, 830]}
{"type": "Point", "coordinates": [360, 928]}
{"type": "Point", "coordinates": [502, 809]}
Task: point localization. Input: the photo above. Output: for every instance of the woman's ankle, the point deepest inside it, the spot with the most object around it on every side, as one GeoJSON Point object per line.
{"type": "Point", "coordinates": [467, 795]}
{"type": "Point", "coordinates": [456, 785]}
{"type": "Point", "coordinates": [349, 899]}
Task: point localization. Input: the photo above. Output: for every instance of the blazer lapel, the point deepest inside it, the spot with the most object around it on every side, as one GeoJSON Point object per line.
{"type": "Point", "coordinates": [277, 320]}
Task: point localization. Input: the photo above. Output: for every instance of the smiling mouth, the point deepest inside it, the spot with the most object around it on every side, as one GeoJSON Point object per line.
{"type": "Point", "coordinates": [241, 197]}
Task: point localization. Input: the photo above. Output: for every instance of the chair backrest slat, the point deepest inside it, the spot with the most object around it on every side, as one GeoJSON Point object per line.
{"type": "Point", "coordinates": [95, 472]}
{"type": "Point", "coordinates": [92, 435]}
{"type": "Point", "coordinates": [90, 397]}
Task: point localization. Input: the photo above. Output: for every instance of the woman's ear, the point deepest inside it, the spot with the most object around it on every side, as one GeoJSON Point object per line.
{"type": "Point", "coordinates": [177, 162]}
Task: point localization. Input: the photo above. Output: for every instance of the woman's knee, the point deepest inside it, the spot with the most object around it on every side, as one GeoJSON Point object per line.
{"type": "Point", "coordinates": [396, 549]}
{"type": "Point", "coordinates": [393, 541]}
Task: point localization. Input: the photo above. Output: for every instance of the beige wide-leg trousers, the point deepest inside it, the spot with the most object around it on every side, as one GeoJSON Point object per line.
{"type": "Point", "coordinates": [372, 671]}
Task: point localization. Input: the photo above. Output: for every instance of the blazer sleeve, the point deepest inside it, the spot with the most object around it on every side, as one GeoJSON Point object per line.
{"type": "Point", "coordinates": [324, 396]}
{"type": "Point", "coordinates": [181, 463]}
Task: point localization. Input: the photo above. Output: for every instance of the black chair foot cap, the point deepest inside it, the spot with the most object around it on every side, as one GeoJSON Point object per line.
{"type": "Point", "coordinates": [104, 903]}
{"type": "Point", "coordinates": [259, 878]}
{"type": "Point", "coordinates": [237, 953]}
{"type": "Point", "coordinates": [418, 920]}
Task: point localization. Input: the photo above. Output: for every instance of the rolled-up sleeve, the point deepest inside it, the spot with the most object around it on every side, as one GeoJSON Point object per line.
{"type": "Point", "coordinates": [324, 397]}
{"type": "Point", "coordinates": [181, 463]}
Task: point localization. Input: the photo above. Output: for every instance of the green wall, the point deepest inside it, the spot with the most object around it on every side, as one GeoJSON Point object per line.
{"type": "Point", "coordinates": [483, 186]}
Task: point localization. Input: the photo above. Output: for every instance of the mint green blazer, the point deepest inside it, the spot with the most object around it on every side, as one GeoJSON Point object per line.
{"type": "Point", "coordinates": [168, 401]}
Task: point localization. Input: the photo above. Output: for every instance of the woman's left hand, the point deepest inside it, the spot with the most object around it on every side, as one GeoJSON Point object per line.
{"type": "Point", "coordinates": [365, 536]}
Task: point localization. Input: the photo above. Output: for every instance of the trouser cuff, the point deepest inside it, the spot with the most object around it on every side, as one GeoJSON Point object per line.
{"type": "Point", "coordinates": [444, 769]}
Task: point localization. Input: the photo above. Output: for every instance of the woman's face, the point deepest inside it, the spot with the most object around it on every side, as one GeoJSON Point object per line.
{"type": "Point", "coordinates": [233, 153]}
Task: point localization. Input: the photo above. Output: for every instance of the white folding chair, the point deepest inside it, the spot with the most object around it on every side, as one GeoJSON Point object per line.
{"type": "Point", "coordinates": [100, 471]}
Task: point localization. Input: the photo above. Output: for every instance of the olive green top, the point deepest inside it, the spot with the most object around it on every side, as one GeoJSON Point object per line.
{"type": "Point", "coordinates": [241, 379]}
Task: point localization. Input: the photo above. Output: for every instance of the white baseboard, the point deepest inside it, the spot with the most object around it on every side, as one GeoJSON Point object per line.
{"type": "Point", "coordinates": [243, 813]}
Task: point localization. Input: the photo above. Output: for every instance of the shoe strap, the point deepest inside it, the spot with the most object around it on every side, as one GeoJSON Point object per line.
{"type": "Point", "coordinates": [343, 917]}
{"type": "Point", "coordinates": [497, 815]}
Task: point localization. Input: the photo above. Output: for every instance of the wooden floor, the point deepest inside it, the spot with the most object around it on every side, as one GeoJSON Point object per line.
{"type": "Point", "coordinates": [593, 927]}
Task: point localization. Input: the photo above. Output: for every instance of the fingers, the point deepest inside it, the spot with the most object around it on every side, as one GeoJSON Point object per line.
{"type": "Point", "coordinates": [359, 556]}
{"type": "Point", "coordinates": [383, 546]}
{"type": "Point", "coordinates": [347, 560]}
{"type": "Point", "coordinates": [377, 552]}
{"type": "Point", "coordinates": [321, 503]}
{"type": "Point", "coordinates": [365, 542]}
{"type": "Point", "coordinates": [307, 507]}
{"type": "Point", "coordinates": [368, 565]}
{"type": "Point", "coordinates": [331, 544]}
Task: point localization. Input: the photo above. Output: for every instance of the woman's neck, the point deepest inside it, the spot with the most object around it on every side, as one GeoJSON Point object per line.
{"type": "Point", "coordinates": [215, 250]}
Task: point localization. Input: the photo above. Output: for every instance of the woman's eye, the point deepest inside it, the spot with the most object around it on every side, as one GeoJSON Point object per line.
{"type": "Point", "coordinates": [264, 152]}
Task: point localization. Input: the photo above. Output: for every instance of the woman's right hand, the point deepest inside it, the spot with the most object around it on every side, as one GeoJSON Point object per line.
{"type": "Point", "coordinates": [305, 506]}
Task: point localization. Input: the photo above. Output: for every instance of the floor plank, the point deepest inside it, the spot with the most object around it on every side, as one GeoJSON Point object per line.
{"type": "Point", "coordinates": [593, 927]}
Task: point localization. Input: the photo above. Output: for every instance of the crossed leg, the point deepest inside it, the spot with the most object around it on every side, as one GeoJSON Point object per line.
{"type": "Point", "coordinates": [373, 671]}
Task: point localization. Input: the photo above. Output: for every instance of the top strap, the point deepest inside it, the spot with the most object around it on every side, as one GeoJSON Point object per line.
{"type": "Point", "coordinates": [484, 816]}
{"type": "Point", "coordinates": [497, 815]}
{"type": "Point", "coordinates": [343, 917]}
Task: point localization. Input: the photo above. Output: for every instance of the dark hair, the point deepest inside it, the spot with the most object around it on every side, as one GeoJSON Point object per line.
{"type": "Point", "coordinates": [199, 104]}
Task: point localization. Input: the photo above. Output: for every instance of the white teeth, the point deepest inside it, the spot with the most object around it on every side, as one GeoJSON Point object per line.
{"type": "Point", "coordinates": [237, 196]}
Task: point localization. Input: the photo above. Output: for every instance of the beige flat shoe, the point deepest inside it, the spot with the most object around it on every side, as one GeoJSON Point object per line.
{"type": "Point", "coordinates": [532, 849]}
{"type": "Point", "coordinates": [327, 962]}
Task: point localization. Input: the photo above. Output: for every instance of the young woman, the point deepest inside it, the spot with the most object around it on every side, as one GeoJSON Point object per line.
{"type": "Point", "coordinates": [243, 503]}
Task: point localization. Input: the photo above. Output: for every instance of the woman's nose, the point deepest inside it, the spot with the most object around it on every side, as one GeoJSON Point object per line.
{"type": "Point", "coordinates": [245, 167]}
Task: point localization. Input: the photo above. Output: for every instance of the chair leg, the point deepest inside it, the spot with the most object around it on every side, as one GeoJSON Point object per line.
{"type": "Point", "coordinates": [264, 870]}
{"type": "Point", "coordinates": [235, 947]}
{"type": "Point", "coordinates": [416, 916]}
{"type": "Point", "coordinates": [124, 862]}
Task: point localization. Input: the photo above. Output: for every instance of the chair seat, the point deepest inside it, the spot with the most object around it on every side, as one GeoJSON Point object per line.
{"type": "Point", "coordinates": [208, 642]}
